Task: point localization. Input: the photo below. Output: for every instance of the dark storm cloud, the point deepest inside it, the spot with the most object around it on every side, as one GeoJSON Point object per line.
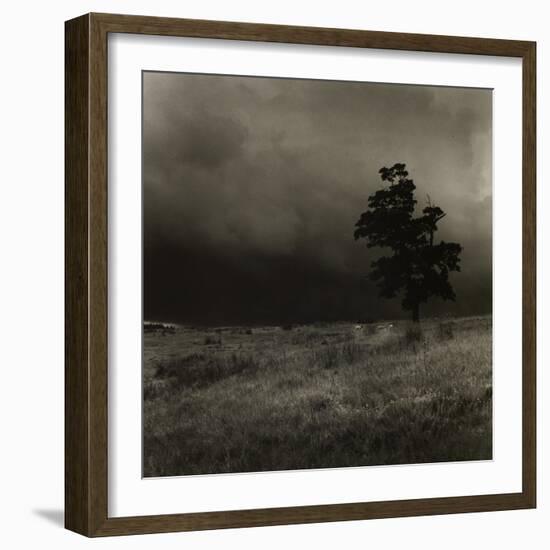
{"type": "Point", "coordinates": [252, 187]}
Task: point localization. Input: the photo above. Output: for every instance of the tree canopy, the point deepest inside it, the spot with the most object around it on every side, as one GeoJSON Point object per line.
{"type": "Point", "coordinates": [416, 267]}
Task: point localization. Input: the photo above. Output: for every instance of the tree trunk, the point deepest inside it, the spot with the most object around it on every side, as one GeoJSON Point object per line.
{"type": "Point", "coordinates": [416, 313]}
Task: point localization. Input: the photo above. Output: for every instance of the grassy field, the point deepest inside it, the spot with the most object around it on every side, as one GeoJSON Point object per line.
{"type": "Point", "coordinates": [241, 399]}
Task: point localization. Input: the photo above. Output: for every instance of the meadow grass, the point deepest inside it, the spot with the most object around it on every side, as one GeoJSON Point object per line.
{"type": "Point", "coordinates": [317, 397]}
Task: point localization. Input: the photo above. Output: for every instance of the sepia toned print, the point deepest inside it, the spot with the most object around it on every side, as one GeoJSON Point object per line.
{"type": "Point", "coordinates": [317, 274]}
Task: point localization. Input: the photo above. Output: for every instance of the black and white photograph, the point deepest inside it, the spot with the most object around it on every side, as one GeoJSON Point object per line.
{"type": "Point", "coordinates": [274, 275]}
{"type": "Point", "coordinates": [317, 274]}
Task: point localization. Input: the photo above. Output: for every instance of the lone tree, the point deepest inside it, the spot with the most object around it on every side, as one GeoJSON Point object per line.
{"type": "Point", "coordinates": [417, 266]}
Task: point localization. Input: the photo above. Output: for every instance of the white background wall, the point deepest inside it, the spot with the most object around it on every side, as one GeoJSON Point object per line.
{"type": "Point", "coordinates": [31, 271]}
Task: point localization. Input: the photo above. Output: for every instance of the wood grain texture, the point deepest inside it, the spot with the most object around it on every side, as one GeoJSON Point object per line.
{"type": "Point", "coordinates": [310, 514]}
{"type": "Point", "coordinates": [86, 363]}
{"type": "Point", "coordinates": [529, 273]}
{"type": "Point", "coordinates": [308, 35]}
{"type": "Point", "coordinates": [98, 254]}
{"type": "Point", "coordinates": [77, 459]}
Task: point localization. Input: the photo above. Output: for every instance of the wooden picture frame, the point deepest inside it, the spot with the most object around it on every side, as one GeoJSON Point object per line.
{"type": "Point", "coordinates": [86, 284]}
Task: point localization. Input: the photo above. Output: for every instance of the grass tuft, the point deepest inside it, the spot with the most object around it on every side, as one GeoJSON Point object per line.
{"type": "Point", "coordinates": [317, 397]}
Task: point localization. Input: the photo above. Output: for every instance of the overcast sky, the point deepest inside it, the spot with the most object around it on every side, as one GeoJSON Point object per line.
{"type": "Point", "coordinates": [252, 187]}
